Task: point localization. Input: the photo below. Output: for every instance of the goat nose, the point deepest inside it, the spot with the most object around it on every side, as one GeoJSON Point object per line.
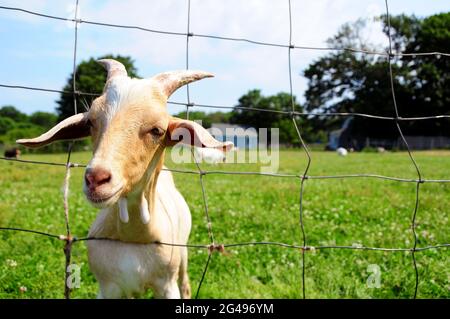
{"type": "Point", "coordinates": [97, 176]}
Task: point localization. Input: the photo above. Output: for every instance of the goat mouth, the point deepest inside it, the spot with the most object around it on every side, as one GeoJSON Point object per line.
{"type": "Point", "coordinates": [103, 201]}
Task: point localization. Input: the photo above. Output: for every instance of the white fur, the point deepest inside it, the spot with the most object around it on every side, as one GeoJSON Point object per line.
{"type": "Point", "coordinates": [126, 269]}
{"type": "Point", "coordinates": [121, 90]}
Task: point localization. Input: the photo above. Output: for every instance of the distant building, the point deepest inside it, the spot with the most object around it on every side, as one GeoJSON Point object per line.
{"type": "Point", "coordinates": [349, 137]}
{"type": "Point", "coordinates": [242, 138]}
{"type": "Point", "coordinates": [341, 137]}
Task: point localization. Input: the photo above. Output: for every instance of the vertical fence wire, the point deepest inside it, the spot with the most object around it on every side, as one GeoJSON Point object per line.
{"type": "Point", "coordinates": [308, 155]}
{"type": "Point", "coordinates": [188, 34]}
{"type": "Point", "coordinates": [419, 175]}
{"type": "Point", "coordinates": [69, 238]}
{"type": "Point", "coordinates": [200, 171]}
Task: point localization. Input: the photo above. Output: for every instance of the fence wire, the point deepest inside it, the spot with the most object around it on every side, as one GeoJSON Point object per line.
{"type": "Point", "coordinates": [69, 239]}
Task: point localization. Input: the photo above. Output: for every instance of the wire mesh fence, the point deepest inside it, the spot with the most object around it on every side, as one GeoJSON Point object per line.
{"type": "Point", "coordinates": [69, 239]}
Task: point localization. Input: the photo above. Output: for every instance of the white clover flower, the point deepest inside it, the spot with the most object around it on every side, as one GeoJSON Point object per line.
{"type": "Point", "coordinates": [11, 263]}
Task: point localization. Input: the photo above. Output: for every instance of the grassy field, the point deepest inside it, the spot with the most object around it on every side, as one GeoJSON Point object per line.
{"type": "Point", "coordinates": [370, 212]}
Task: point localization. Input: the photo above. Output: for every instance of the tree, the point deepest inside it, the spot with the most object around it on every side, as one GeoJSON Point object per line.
{"type": "Point", "coordinates": [261, 119]}
{"type": "Point", "coordinates": [345, 81]}
{"type": "Point", "coordinates": [22, 132]}
{"type": "Point", "coordinates": [430, 74]}
{"type": "Point", "coordinates": [43, 119]}
{"type": "Point", "coordinates": [207, 118]}
{"type": "Point", "coordinates": [90, 78]}
{"type": "Point", "coordinates": [219, 117]}
{"type": "Point", "coordinates": [6, 124]}
{"type": "Point", "coordinates": [13, 113]}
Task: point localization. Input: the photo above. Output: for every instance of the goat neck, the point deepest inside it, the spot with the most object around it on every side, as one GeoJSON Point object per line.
{"type": "Point", "coordinates": [135, 216]}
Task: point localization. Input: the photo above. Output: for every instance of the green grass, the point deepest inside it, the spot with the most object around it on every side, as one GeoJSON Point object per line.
{"type": "Point", "coordinates": [365, 211]}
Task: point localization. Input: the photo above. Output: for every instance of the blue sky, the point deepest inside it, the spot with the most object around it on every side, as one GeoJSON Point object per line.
{"type": "Point", "coordinates": [38, 52]}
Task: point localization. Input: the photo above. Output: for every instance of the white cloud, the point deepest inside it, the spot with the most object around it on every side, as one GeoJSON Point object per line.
{"type": "Point", "coordinates": [245, 66]}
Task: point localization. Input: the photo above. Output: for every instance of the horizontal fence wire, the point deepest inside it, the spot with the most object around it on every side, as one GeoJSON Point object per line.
{"type": "Point", "coordinates": [220, 247]}
{"type": "Point", "coordinates": [251, 109]}
{"type": "Point", "coordinates": [217, 37]}
{"type": "Point", "coordinates": [69, 239]}
{"type": "Point", "coordinates": [282, 175]}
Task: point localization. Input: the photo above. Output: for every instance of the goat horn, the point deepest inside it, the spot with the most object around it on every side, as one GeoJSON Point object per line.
{"type": "Point", "coordinates": [171, 81]}
{"type": "Point", "coordinates": [114, 68]}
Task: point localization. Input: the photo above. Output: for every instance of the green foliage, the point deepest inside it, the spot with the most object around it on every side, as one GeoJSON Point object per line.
{"type": "Point", "coordinates": [365, 211]}
{"type": "Point", "coordinates": [15, 125]}
{"type": "Point", "coordinates": [90, 78]}
{"type": "Point", "coordinates": [260, 119]}
{"type": "Point", "coordinates": [281, 101]}
{"type": "Point", "coordinates": [6, 124]}
{"type": "Point", "coordinates": [404, 30]}
{"type": "Point", "coordinates": [44, 119]}
{"type": "Point", "coordinates": [13, 113]}
{"type": "Point", "coordinates": [369, 149]}
{"type": "Point", "coordinates": [206, 118]}
{"type": "Point", "coordinates": [353, 82]}
{"type": "Point", "coordinates": [23, 132]}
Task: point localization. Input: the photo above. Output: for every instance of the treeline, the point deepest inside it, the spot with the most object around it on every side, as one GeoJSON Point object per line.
{"type": "Point", "coordinates": [15, 125]}
{"type": "Point", "coordinates": [340, 81]}
{"type": "Point", "coordinates": [280, 104]}
{"type": "Point", "coordinates": [346, 81]}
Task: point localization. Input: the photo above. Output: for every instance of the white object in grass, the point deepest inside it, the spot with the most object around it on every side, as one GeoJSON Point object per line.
{"type": "Point", "coordinates": [342, 151]}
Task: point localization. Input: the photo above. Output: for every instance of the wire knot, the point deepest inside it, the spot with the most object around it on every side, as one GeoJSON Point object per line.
{"type": "Point", "coordinates": [67, 238]}
{"type": "Point", "coordinates": [309, 248]}
{"type": "Point", "coordinates": [190, 104]}
{"type": "Point", "coordinates": [216, 247]}
{"type": "Point", "coordinates": [190, 34]}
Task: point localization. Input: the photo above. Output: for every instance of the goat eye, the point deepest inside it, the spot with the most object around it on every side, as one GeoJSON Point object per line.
{"type": "Point", "coordinates": [156, 131]}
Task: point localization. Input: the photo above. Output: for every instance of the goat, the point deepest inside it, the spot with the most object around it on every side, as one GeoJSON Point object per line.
{"type": "Point", "coordinates": [140, 206]}
{"type": "Point", "coordinates": [12, 153]}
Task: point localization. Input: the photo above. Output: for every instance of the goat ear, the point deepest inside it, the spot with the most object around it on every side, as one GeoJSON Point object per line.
{"type": "Point", "coordinates": [72, 128]}
{"type": "Point", "coordinates": [191, 133]}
